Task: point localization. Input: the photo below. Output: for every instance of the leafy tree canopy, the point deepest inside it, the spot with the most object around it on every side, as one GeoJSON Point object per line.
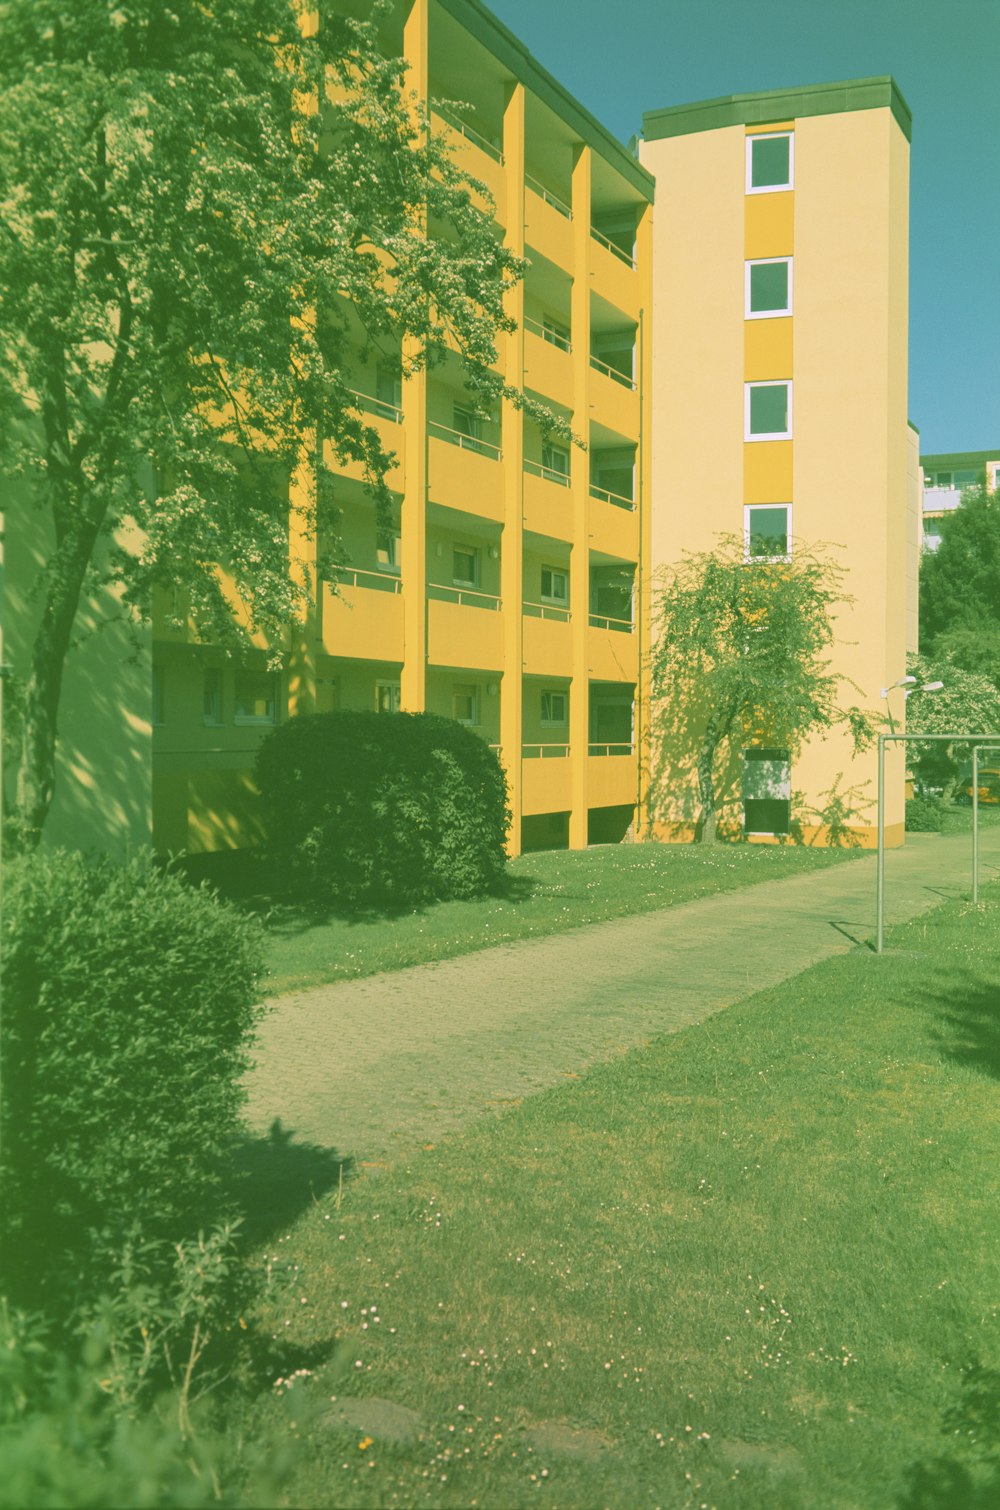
{"type": "Point", "coordinates": [740, 656]}
{"type": "Point", "coordinates": [192, 199]}
{"type": "Point", "coordinates": [960, 581]}
{"type": "Point", "coordinates": [967, 703]}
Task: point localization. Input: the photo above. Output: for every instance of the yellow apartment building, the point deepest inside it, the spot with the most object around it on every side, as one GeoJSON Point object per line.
{"type": "Point", "coordinates": [779, 396]}
{"type": "Point", "coordinates": [508, 591]}
{"type": "Point", "coordinates": [944, 475]}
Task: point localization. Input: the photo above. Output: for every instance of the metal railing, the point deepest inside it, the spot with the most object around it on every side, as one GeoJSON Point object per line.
{"type": "Point", "coordinates": [550, 198]}
{"type": "Point", "coordinates": [616, 251]}
{"type": "Point", "coordinates": [549, 473]}
{"type": "Point", "coordinates": [464, 442]}
{"type": "Point", "coordinates": [623, 747]}
{"type": "Point", "coordinates": [618, 499]}
{"type": "Point", "coordinates": [553, 337]}
{"type": "Point", "coordinates": [544, 752]}
{"type": "Point", "coordinates": [378, 581]}
{"type": "Point", "coordinates": [377, 406]}
{"type": "Point", "coordinates": [465, 597]}
{"type": "Point", "coordinates": [545, 611]}
{"type": "Point", "coordinates": [456, 122]}
{"type": "Point", "coordinates": [606, 621]}
{"type": "Point", "coordinates": [613, 373]}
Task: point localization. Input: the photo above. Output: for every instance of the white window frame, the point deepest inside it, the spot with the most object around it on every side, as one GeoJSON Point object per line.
{"type": "Point", "coordinates": [766, 314]}
{"type": "Point", "coordinates": [551, 597]}
{"type": "Point", "coordinates": [554, 723]}
{"type": "Point", "coordinates": [219, 719]}
{"type": "Point", "coordinates": [467, 421]}
{"type": "Point", "coordinates": [770, 136]}
{"type": "Point", "coordinates": [252, 718]}
{"type": "Point", "coordinates": [473, 551]}
{"type": "Point", "coordinates": [752, 508]}
{"type": "Point", "coordinates": [766, 434]}
{"type": "Point", "coordinates": [393, 689]}
{"type": "Point", "coordinates": [550, 451]}
{"type": "Point", "coordinates": [463, 689]}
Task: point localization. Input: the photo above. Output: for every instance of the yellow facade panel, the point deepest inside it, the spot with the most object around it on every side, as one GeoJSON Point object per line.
{"type": "Point", "coordinates": [611, 780]}
{"type": "Point", "coordinates": [464, 636]}
{"type": "Point", "coordinates": [548, 230]}
{"type": "Point", "coordinates": [548, 369]}
{"type": "Point", "coordinates": [479, 163]}
{"type": "Point", "coordinates": [548, 508]}
{"type": "Point", "coordinates": [767, 350]}
{"type": "Point", "coordinates": [613, 530]}
{"type": "Point", "coordinates": [547, 785]}
{"type": "Point", "coordinates": [612, 656]}
{"type": "Point", "coordinates": [614, 405]}
{"type": "Point", "coordinates": [614, 280]}
{"type": "Point", "coordinates": [547, 647]}
{"type": "Point", "coordinates": [358, 622]}
{"type": "Point", "coordinates": [769, 225]}
{"type": "Point", "coordinates": [461, 478]}
{"type": "Point", "coordinates": [767, 471]}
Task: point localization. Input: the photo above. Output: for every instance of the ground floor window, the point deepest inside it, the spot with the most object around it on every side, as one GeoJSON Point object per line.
{"type": "Point", "coordinates": [386, 697]}
{"type": "Point", "coordinates": [256, 699]}
{"type": "Point", "coordinates": [767, 791]}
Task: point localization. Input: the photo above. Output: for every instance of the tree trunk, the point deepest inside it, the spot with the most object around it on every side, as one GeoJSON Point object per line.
{"type": "Point", "coordinates": [39, 728]}
{"type": "Point", "coordinates": [705, 828]}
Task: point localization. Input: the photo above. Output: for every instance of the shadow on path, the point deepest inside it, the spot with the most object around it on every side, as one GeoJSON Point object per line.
{"type": "Point", "coordinates": [274, 1179]}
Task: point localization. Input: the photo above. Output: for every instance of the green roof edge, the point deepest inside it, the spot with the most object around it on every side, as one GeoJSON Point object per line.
{"type": "Point", "coordinates": [952, 459]}
{"type": "Point", "coordinates": [780, 105]}
{"type": "Point", "coordinates": [511, 51]}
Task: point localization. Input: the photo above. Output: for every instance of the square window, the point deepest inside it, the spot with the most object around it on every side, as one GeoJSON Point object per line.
{"type": "Point", "coordinates": [256, 700]}
{"type": "Point", "coordinates": [468, 422]}
{"type": "Point", "coordinates": [465, 705]}
{"type": "Point", "coordinates": [770, 162]}
{"type": "Point", "coordinates": [768, 411]}
{"type": "Point", "coordinates": [766, 531]}
{"type": "Point", "coordinates": [211, 696]}
{"type": "Point", "coordinates": [555, 709]}
{"type": "Point", "coordinates": [767, 791]}
{"type": "Point", "coordinates": [465, 566]}
{"type": "Point", "coordinates": [555, 459]}
{"type": "Point", "coordinates": [386, 697]}
{"type": "Point", "coordinates": [555, 585]}
{"type": "Point", "coordinates": [769, 288]}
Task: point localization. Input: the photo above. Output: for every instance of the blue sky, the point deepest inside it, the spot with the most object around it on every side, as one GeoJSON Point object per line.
{"type": "Point", "coordinates": [621, 57]}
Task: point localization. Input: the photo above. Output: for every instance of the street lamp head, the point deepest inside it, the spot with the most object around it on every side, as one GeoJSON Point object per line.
{"type": "Point", "coordinates": [904, 681]}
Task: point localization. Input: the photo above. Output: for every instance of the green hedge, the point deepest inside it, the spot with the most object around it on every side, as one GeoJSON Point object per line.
{"type": "Point", "coordinates": [924, 815]}
{"type": "Point", "coordinates": [129, 1001]}
{"type": "Point", "coordinates": [376, 809]}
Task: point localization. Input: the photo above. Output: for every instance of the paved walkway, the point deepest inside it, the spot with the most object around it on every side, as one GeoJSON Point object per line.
{"type": "Point", "coordinates": [378, 1066]}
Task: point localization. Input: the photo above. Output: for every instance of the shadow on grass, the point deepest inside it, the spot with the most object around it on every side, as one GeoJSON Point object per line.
{"type": "Point", "coordinates": [967, 1027]}
{"type": "Point", "coordinates": [248, 880]}
{"type": "Point", "coordinates": [967, 1477]}
{"type": "Point", "coordinates": [273, 1180]}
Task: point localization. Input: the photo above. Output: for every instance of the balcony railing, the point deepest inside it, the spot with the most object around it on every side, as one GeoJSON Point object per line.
{"type": "Point", "coordinates": [549, 473]}
{"type": "Point", "coordinates": [613, 373]}
{"type": "Point", "coordinates": [616, 251]}
{"type": "Point", "coordinates": [544, 752]}
{"type": "Point", "coordinates": [456, 122]}
{"type": "Point", "coordinates": [548, 196]}
{"type": "Point", "coordinates": [553, 337]}
{"type": "Point", "coordinates": [356, 576]}
{"type": "Point", "coordinates": [464, 442]}
{"type": "Point", "coordinates": [377, 406]}
{"type": "Point", "coordinates": [601, 751]}
{"type": "Point", "coordinates": [618, 499]}
{"type": "Point", "coordinates": [467, 597]}
{"type": "Point", "coordinates": [545, 611]}
{"type": "Point", "coordinates": [605, 621]}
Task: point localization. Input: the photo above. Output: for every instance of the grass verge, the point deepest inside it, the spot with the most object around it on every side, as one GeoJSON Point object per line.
{"type": "Point", "coordinates": [546, 893]}
{"type": "Point", "coordinates": [755, 1263]}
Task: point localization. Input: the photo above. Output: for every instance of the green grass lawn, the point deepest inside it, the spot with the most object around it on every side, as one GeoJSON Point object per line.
{"type": "Point", "coordinates": [756, 1263]}
{"type": "Point", "coordinates": [547, 893]}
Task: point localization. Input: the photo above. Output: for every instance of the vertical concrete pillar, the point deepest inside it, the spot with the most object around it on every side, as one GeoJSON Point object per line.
{"type": "Point", "coordinates": [644, 504]}
{"type": "Point", "coordinates": [512, 443]}
{"type": "Point", "coordinates": [413, 515]}
{"type": "Point", "coordinates": [579, 567]}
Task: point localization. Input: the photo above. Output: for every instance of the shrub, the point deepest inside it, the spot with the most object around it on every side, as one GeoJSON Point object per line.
{"type": "Point", "coordinates": [383, 809]}
{"type": "Point", "coordinates": [924, 815]}
{"type": "Point", "coordinates": [129, 1001]}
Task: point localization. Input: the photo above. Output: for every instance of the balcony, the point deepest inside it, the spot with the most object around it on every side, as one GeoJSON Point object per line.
{"type": "Point", "coordinates": [546, 779]}
{"type": "Point", "coordinates": [548, 504]}
{"type": "Point", "coordinates": [462, 472]}
{"type": "Point", "coordinates": [614, 273]}
{"type": "Point", "coordinates": [464, 628]}
{"type": "Point", "coordinates": [612, 775]}
{"type": "Point", "coordinates": [364, 619]}
{"type": "Point", "coordinates": [477, 156]}
{"type": "Point", "coordinates": [547, 647]}
{"type": "Point", "coordinates": [548, 365]}
{"type": "Point", "coordinates": [548, 223]}
{"type": "Point", "coordinates": [388, 421]}
{"type": "Point", "coordinates": [613, 398]}
{"type": "Point", "coordinates": [612, 656]}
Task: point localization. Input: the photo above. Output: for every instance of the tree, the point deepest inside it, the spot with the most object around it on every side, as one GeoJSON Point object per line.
{"type": "Point", "coordinates": [967, 703]}
{"type": "Point", "coordinates": [960, 583]}
{"type": "Point", "coordinates": [739, 651]}
{"type": "Point", "coordinates": [182, 234]}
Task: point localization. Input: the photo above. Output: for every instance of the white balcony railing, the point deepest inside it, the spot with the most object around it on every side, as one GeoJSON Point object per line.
{"type": "Point", "coordinates": [553, 337]}
{"type": "Point", "coordinates": [545, 611]}
{"type": "Point", "coordinates": [377, 406]}
{"type": "Point", "coordinates": [464, 129]}
{"type": "Point", "coordinates": [602, 751]}
{"type": "Point", "coordinates": [549, 473]}
{"type": "Point", "coordinates": [550, 198]}
{"type": "Point", "coordinates": [605, 621]}
{"type": "Point", "coordinates": [377, 581]}
{"type": "Point", "coordinates": [544, 751]}
{"type": "Point", "coordinates": [613, 373]}
{"type": "Point", "coordinates": [465, 442]}
{"type": "Point", "coordinates": [616, 251]}
{"type": "Point", "coordinates": [466, 597]}
{"type": "Point", "coordinates": [618, 499]}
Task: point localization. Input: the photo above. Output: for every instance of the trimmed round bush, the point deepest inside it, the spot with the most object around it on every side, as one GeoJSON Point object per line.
{"type": "Point", "coordinates": [924, 815]}
{"type": "Point", "coordinates": [129, 1002]}
{"type": "Point", "coordinates": [383, 809]}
